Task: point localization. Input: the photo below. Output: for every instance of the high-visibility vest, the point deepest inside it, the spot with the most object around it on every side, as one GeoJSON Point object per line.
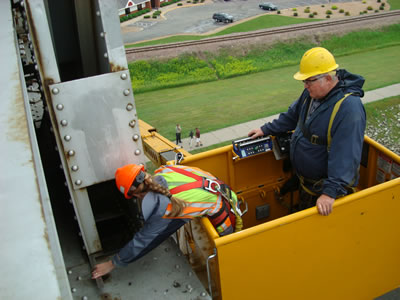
{"type": "Point", "coordinates": [200, 191]}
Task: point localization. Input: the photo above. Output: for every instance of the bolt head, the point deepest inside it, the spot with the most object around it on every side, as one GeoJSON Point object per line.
{"type": "Point", "coordinates": [71, 152]}
{"type": "Point", "coordinates": [124, 76]}
{"type": "Point", "coordinates": [127, 92]}
{"type": "Point", "coordinates": [74, 168]}
{"type": "Point", "coordinates": [67, 138]}
{"type": "Point", "coordinates": [129, 106]}
{"type": "Point", "coordinates": [64, 122]}
{"type": "Point", "coordinates": [137, 152]}
{"type": "Point", "coordinates": [59, 106]}
{"type": "Point", "coordinates": [135, 137]}
{"type": "Point", "coordinates": [55, 91]}
{"type": "Point", "coordinates": [132, 123]}
{"type": "Point", "coordinates": [78, 182]}
{"type": "Point", "coordinates": [105, 55]}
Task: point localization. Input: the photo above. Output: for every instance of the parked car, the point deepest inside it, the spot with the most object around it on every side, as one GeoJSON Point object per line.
{"type": "Point", "coordinates": [222, 17]}
{"type": "Point", "coordinates": [268, 6]}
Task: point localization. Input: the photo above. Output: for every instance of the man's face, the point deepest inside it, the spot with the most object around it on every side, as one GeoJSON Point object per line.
{"type": "Point", "coordinates": [318, 86]}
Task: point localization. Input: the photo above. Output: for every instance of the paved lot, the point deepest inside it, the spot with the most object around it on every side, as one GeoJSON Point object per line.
{"type": "Point", "coordinates": [197, 18]}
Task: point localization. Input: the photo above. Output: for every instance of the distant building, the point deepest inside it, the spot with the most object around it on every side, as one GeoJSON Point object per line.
{"type": "Point", "coordinates": [126, 7]}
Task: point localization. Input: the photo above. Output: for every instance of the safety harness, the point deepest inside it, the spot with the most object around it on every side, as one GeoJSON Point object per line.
{"type": "Point", "coordinates": [321, 140]}
{"type": "Point", "coordinates": [228, 210]}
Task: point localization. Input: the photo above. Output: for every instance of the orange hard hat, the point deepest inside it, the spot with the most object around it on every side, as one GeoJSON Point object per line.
{"type": "Point", "coordinates": [126, 175]}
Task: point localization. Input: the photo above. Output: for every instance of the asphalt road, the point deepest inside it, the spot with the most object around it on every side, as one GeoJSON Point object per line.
{"type": "Point", "coordinates": [198, 18]}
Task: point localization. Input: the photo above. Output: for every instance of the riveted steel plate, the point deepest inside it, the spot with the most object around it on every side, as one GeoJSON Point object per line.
{"type": "Point", "coordinates": [94, 118]}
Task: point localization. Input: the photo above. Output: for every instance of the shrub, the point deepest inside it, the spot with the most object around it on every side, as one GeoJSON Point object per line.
{"type": "Point", "coordinates": [328, 16]}
{"type": "Point", "coordinates": [369, 8]}
{"type": "Point", "coordinates": [361, 13]}
{"type": "Point", "coordinates": [294, 9]}
{"type": "Point", "coordinates": [322, 5]}
{"type": "Point", "coordinates": [154, 16]}
{"type": "Point", "coordinates": [311, 15]}
{"type": "Point", "coordinates": [381, 8]}
{"type": "Point", "coordinates": [295, 14]}
{"type": "Point", "coordinates": [328, 12]}
{"type": "Point", "coordinates": [146, 17]}
{"type": "Point", "coordinates": [307, 10]}
{"type": "Point", "coordinates": [364, 2]}
{"type": "Point", "coordinates": [315, 13]}
{"type": "Point", "coordinates": [347, 13]}
{"type": "Point", "coordinates": [376, 10]}
{"type": "Point", "coordinates": [382, 4]}
{"type": "Point", "coordinates": [334, 7]}
{"type": "Point", "coordinates": [278, 12]}
{"type": "Point", "coordinates": [365, 11]}
{"type": "Point", "coordinates": [179, 4]}
{"type": "Point", "coordinates": [341, 11]}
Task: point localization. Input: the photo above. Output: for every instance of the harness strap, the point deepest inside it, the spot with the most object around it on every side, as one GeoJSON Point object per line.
{"type": "Point", "coordinates": [323, 140]}
{"type": "Point", "coordinates": [199, 183]}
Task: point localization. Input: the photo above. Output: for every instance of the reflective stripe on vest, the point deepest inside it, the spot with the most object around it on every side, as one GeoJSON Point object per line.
{"type": "Point", "coordinates": [200, 202]}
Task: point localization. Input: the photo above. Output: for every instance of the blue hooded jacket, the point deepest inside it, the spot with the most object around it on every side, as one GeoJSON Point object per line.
{"type": "Point", "coordinates": [337, 168]}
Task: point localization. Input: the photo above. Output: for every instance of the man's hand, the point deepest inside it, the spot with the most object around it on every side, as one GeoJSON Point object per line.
{"type": "Point", "coordinates": [102, 269]}
{"type": "Point", "coordinates": [324, 204]}
{"type": "Point", "coordinates": [255, 133]}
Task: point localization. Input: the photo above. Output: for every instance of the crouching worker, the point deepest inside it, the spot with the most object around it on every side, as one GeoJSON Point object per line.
{"type": "Point", "coordinates": [169, 199]}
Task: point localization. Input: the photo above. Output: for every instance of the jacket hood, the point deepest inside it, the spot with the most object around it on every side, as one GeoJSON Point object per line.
{"type": "Point", "coordinates": [350, 83]}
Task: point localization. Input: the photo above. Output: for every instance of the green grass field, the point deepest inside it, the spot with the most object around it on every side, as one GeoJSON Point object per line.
{"type": "Point", "coordinates": [223, 103]}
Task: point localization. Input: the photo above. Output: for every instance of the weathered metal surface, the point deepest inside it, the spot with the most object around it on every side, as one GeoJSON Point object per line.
{"type": "Point", "coordinates": [97, 112]}
{"type": "Point", "coordinates": [30, 256]}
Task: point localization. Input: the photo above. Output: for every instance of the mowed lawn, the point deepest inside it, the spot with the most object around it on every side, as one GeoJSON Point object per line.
{"type": "Point", "coordinates": [223, 103]}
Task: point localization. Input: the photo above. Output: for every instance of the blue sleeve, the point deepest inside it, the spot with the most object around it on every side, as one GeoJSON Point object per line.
{"type": "Point", "coordinates": [346, 147]}
{"type": "Point", "coordinates": [286, 121]}
{"type": "Point", "coordinates": [156, 229]}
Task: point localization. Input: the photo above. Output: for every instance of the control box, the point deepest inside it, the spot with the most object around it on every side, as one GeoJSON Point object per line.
{"type": "Point", "coordinates": [248, 147]}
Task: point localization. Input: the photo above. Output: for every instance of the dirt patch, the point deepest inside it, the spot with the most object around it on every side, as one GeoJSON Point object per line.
{"type": "Point", "coordinates": [352, 8]}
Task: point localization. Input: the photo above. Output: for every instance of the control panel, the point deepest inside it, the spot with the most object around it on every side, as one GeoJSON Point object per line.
{"type": "Point", "coordinates": [247, 147]}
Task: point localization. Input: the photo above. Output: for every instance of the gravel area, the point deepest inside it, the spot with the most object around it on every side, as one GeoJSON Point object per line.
{"type": "Point", "coordinates": [388, 133]}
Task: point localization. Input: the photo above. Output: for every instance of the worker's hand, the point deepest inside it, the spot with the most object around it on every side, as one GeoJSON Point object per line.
{"type": "Point", "coordinates": [324, 204]}
{"type": "Point", "coordinates": [255, 133]}
{"type": "Point", "coordinates": [102, 269]}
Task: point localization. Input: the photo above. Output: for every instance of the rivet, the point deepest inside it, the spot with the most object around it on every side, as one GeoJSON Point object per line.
{"type": "Point", "coordinates": [98, 13]}
{"type": "Point", "coordinates": [79, 278]}
{"type": "Point", "coordinates": [69, 272]}
{"type": "Point", "coordinates": [135, 137]}
{"type": "Point", "coordinates": [127, 92]}
{"type": "Point", "coordinates": [70, 201]}
{"type": "Point", "coordinates": [203, 294]}
{"type": "Point", "coordinates": [85, 298]}
{"type": "Point", "coordinates": [64, 122]}
{"type": "Point", "coordinates": [129, 107]}
{"type": "Point", "coordinates": [132, 123]}
{"type": "Point", "coordinates": [102, 34]}
{"type": "Point", "coordinates": [137, 152]}
{"type": "Point", "coordinates": [105, 55]}
{"type": "Point", "coordinates": [71, 152]}
{"type": "Point", "coordinates": [177, 267]}
{"type": "Point", "coordinates": [55, 91]}
{"type": "Point", "coordinates": [67, 138]}
{"type": "Point", "coordinates": [78, 182]}
{"type": "Point", "coordinates": [124, 76]}
{"type": "Point", "coordinates": [74, 168]}
{"type": "Point", "coordinates": [73, 290]}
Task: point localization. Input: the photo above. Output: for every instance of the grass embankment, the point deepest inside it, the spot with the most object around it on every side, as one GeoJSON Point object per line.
{"type": "Point", "coordinates": [204, 67]}
{"type": "Point", "coordinates": [223, 103]}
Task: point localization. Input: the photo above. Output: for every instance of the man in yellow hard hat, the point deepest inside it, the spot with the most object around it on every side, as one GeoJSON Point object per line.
{"type": "Point", "coordinates": [328, 120]}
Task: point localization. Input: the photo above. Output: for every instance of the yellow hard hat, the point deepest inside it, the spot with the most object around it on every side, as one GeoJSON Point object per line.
{"type": "Point", "coordinates": [316, 61]}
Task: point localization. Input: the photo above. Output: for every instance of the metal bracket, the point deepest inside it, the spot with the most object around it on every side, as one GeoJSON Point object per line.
{"type": "Point", "coordinates": [209, 273]}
